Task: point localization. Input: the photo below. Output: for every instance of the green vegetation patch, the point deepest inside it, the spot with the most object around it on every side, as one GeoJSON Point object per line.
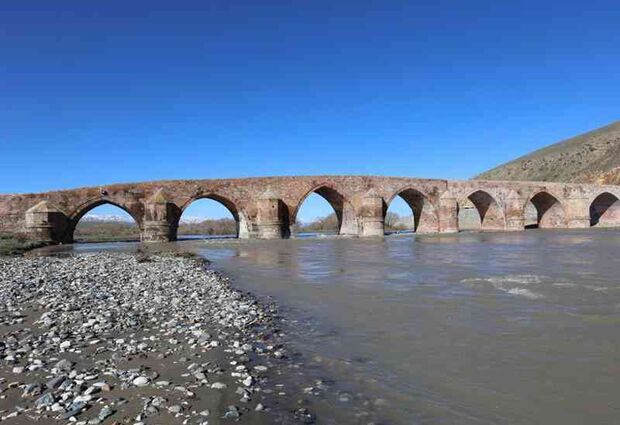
{"type": "Point", "coordinates": [16, 244]}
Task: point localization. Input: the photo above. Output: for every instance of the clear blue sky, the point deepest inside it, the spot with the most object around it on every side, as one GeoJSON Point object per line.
{"type": "Point", "coordinates": [103, 92]}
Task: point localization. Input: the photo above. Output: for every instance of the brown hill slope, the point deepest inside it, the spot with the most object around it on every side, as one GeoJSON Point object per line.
{"type": "Point", "coordinates": [593, 157]}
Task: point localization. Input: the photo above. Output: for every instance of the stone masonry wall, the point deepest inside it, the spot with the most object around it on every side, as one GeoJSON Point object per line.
{"type": "Point", "coordinates": [266, 207]}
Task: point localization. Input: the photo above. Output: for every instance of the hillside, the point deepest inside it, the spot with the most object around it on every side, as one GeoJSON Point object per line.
{"type": "Point", "coordinates": [593, 157]}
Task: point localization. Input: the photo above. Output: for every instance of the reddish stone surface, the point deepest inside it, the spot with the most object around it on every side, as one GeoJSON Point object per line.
{"type": "Point", "coordinates": [267, 206]}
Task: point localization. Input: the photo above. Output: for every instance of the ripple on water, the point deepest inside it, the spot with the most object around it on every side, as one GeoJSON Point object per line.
{"type": "Point", "coordinates": [511, 284]}
{"type": "Point", "coordinates": [524, 293]}
{"type": "Point", "coordinates": [519, 284]}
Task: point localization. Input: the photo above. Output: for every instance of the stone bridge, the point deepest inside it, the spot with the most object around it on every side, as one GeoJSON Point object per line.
{"type": "Point", "coordinates": [267, 207]}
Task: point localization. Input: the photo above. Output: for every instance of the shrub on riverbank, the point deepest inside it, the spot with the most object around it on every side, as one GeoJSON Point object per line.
{"type": "Point", "coordinates": [223, 226]}
{"type": "Point", "coordinates": [16, 244]}
{"type": "Point", "coordinates": [106, 231]}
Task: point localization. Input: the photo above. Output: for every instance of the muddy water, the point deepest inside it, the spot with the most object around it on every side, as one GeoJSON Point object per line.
{"type": "Point", "coordinates": [518, 328]}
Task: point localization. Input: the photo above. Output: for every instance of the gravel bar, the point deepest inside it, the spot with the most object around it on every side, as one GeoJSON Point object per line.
{"type": "Point", "coordinates": [118, 338]}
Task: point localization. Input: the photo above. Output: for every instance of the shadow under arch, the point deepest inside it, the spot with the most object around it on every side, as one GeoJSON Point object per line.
{"type": "Point", "coordinates": [345, 213]}
{"type": "Point", "coordinates": [550, 212]}
{"type": "Point", "coordinates": [425, 215]}
{"type": "Point", "coordinates": [241, 222]}
{"type": "Point", "coordinates": [489, 214]}
{"type": "Point", "coordinates": [605, 210]}
{"type": "Point", "coordinates": [90, 205]}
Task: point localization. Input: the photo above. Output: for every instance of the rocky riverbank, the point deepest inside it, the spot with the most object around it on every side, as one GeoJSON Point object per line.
{"type": "Point", "coordinates": [119, 338]}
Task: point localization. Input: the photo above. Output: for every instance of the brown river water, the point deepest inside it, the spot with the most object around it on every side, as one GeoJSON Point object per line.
{"type": "Point", "coordinates": [471, 328]}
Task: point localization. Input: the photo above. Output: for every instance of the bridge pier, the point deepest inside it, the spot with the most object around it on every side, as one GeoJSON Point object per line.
{"type": "Point", "coordinates": [448, 215]}
{"type": "Point", "coordinates": [243, 228]}
{"type": "Point", "coordinates": [350, 223]}
{"type": "Point", "coordinates": [157, 231]}
{"type": "Point", "coordinates": [46, 223]}
{"type": "Point", "coordinates": [372, 217]}
{"type": "Point", "coordinates": [578, 213]}
{"type": "Point", "coordinates": [272, 218]}
{"type": "Point", "coordinates": [514, 213]}
{"type": "Point", "coordinates": [160, 217]}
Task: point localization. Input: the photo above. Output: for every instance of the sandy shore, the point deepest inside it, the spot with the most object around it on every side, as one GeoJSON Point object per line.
{"type": "Point", "coordinates": [119, 338]}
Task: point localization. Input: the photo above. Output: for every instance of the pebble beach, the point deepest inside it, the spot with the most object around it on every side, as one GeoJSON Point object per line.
{"type": "Point", "coordinates": [121, 338]}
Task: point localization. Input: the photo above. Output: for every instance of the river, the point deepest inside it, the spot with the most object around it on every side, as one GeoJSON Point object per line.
{"type": "Point", "coordinates": [470, 328]}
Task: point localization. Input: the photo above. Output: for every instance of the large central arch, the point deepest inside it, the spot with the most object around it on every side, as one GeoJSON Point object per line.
{"type": "Point", "coordinates": [550, 212]}
{"type": "Point", "coordinates": [241, 222]}
{"type": "Point", "coordinates": [425, 217]}
{"type": "Point", "coordinates": [489, 216]}
{"type": "Point", "coordinates": [343, 209]}
{"type": "Point", "coordinates": [605, 210]}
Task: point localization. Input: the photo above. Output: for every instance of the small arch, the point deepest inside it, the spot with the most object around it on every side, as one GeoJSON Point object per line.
{"type": "Point", "coordinates": [480, 211]}
{"type": "Point", "coordinates": [399, 217]}
{"type": "Point", "coordinates": [605, 210]}
{"type": "Point", "coordinates": [316, 215]}
{"type": "Point", "coordinates": [111, 226]}
{"type": "Point", "coordinates": [549, 212]}
{"type": "Point", "coordinates": [342, 210]}
{"type": "Point", "coordinates": [240, 221]}
{"type": "Point", "coordinates": [425, 217]}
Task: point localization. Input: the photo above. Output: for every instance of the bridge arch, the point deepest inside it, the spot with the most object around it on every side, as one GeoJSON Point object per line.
{"type": "Point", "coordinates": [343, 209]}
{"type": "Point", "coordinates": [488, 216]}
{"type": "Point", "coordinates": [242, 229]}
{"type": "Point", "coordinates": [605, 210]}
{"type": "Point", "coordinates": [86, 207]}
{"type": "Point", "coordinates": [425, 215]}
{"type": "Point", "coordinates": [549, 210]}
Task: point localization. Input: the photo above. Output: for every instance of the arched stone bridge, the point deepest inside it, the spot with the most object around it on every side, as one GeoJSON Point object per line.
{"type": "Point", "coordinates": [266, 207]}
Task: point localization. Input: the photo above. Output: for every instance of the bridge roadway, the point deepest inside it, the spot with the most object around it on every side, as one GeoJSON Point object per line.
{"type": "Point", "coordinates": [266, 207]}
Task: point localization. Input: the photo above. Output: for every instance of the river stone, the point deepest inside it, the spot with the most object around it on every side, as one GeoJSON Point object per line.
{"type": "Point", "coordinates": [105, 413]}
{"type": "Point", "coordinates": [64, 365]}
{"type": "Point", "coordinates": [45, 400]}
{"type": "Point", "coordinates": [74, 409]}
{"type": "Point", "coordinates": [55, 382]}
{"type": "Point", "coordinates": [218, 385]}
{"type": "Point", "coordinates": [175, 409]}
{"type": "Point", "coordinates": [140, 381]}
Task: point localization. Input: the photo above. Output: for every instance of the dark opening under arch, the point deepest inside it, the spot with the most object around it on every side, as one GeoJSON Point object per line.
{"type": "Point", "coordinates": [549, 212]}
{"type": "Point", "coordinates": [425, 218]}
{"type": "Point", "coordinates": [605, 211]}
{"type": "Point", "coordinates": [480, 211]}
